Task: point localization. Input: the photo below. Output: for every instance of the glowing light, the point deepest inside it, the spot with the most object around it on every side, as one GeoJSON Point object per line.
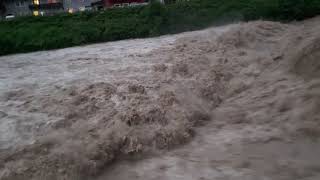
{"type": "Point", "coordinates": [36, 13]}
{"type": "Point", "coordinates": [36, 2]}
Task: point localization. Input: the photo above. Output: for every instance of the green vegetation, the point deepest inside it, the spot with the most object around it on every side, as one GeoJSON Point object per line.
{"type": "Point", "coordinates": [27, 34]}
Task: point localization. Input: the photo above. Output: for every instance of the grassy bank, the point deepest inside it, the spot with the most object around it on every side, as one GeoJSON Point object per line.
{"type": "Point", "coordinates": [41, 33]}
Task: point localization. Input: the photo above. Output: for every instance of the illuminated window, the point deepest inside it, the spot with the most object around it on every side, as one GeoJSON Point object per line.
{"type": "Point", "coordinates": [36, 2]}
{"type": "Point", "coordinates": [36, 13]}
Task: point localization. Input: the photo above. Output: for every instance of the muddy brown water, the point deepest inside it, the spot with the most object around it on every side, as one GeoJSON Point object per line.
{"type": "Point", "coordinates": [235, 102]}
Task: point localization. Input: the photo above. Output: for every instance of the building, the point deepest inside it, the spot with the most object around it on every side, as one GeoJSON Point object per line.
{"type": "Point", "coordinates": [46, 7]}
{"type": "Point", "coordinates": [97, 5]}
{"type": "Point", "coordinates": [77, 5]}
{"type": "Point", "coordinates": [42, 7]}
{"type": "Point", "coordinates": [123, 3]}
{"type": "Point", "coordinates": [32, 7]}
{"type": "Point", "coordinates": [17, 7]}
{"type": "Point", "coordinates": [50, 7]}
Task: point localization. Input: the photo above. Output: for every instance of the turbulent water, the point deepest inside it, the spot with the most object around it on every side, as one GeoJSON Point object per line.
{"type": "Point", "coordinates": [235, 102]}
